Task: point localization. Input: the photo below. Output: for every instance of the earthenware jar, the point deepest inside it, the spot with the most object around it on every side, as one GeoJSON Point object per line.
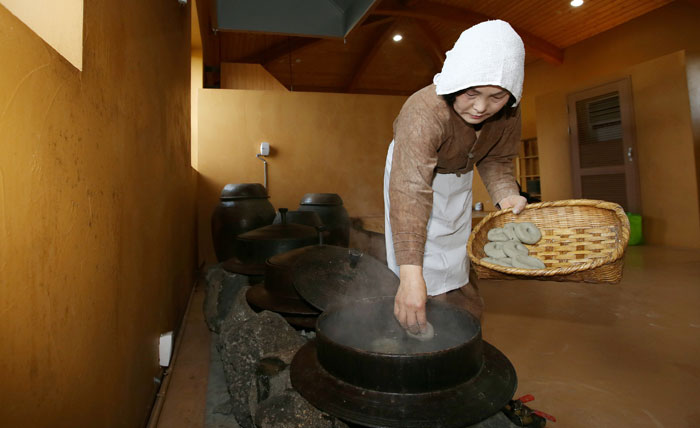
{"type": "Point", "coordinates": [242, 207]}
{"type": "Point", "coordinates": [329, 207]}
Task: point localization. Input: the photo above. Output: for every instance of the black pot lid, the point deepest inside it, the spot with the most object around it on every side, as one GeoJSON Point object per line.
{"type": "Point", "coordinates": [326, 275]}
{"type": "Point", "coordinates": [308, 218]}
{"type": "Point", "coordinates": [321, 199]}
{"type": "Point", "coordinates": [465, 404]}
{"type": "Point", "coordinates": [235, 265]}
{"type": "Point", "coordinates": [299, 256]}
{"type": "Point", "coordinates": [278, 232]}
{"type": "Point", "coordinates": [244, 191]}
{"type": "Point", "coordinates": [261, 298]}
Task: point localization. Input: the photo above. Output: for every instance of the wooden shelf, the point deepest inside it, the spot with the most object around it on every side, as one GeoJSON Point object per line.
{"type": "Point", "coordinates": [528, 166]}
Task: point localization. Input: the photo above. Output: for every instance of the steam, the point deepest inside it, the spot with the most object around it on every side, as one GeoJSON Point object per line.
{"type": "Point", "coordinates": [369, 325]}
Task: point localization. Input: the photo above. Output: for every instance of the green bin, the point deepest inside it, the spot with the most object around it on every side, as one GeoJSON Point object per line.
{"type": "Point", "coordinates": [635, 229]}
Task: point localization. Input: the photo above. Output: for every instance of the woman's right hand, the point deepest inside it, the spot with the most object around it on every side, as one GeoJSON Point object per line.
{"type": "Point", "coordinates": [409, 304]}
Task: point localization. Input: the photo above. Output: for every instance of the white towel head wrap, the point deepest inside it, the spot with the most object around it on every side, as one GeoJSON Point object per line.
{"type": "Point", "coordinates": [489, 53]}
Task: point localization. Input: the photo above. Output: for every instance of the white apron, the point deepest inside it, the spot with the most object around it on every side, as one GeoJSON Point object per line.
{"type": "Point", "coordinates": [445, 262]}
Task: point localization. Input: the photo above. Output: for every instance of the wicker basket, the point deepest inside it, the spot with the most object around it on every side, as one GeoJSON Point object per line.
{"type": "Point", "coordinates": [582, 241]}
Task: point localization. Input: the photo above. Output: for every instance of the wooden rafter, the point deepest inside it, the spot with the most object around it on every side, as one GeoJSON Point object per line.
{"type": "Point", "coordinates": [210, 41]}
{"type": "Point", "coordinates": [365, 20]}
{"type": "Point", "coordinates": [335, 89]}
{"type": "Point", "coordinates": [367, 58]}
{"type": "Point", "coordinates": [276, 51]}
{"type": "Point", "coordinates": [373, 21]}
{"type": "Point", "coordinates": [432, 42]}
{"type": "Point", "coordinates": [427, 10]}
{"type": "Point", "coordinates": [280, 49]}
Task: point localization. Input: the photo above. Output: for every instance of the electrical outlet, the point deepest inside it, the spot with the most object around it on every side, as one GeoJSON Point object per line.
{"type": "Point", "coordinates": [165, 348]}
{"type": "Point", "coordinates": [265, 148]}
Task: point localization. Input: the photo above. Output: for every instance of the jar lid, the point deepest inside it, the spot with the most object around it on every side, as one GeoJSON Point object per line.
{"type": "Point", "coordinates": [321, 199]}
{"type": "Point", "coordinates": [244, 191]}
{"type": "Point", "coordinates": [326, 275]}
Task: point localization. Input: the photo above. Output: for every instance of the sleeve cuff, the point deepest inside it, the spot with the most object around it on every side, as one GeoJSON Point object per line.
{"type": "Point", "coordinates": [503, 192]}
{"type": "Point", "coordinates": [409, 251]}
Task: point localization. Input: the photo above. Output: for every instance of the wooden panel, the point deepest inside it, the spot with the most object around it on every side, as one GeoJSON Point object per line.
{"type": "Point", "coordinates": [399, 66]}
{"type": "Point", "coordinates": [558, 22]}
{"type": "Point", "coordinates": [248, 76]}
{"type": "Point", "coordinates": [329, 64]}
{"type": "Point", "coordinates": [609, 187]}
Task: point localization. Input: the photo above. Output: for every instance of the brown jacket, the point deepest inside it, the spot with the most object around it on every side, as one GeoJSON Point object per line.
{"type": "Point", "coordinates": [429, 138]}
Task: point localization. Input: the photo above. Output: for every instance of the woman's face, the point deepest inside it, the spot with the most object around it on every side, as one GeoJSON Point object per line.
{"type": "Point", "coordinates": [479, 103]}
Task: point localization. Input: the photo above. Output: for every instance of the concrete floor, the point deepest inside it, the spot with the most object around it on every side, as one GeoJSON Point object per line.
{"type": "Point", "coordinates": [594, 356]}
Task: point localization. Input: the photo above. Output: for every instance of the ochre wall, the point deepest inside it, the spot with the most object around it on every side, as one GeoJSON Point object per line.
{"type": "Point", "coordinates": [692, 60]}
{"type": "Point", "coordinates": [59, 23]}
{"type": "Point", "coordinates": [647, 50]}
{"type": "Point", "coordinates": [320, 143]}
{"type": "Point", "coordinates": [97, 214]}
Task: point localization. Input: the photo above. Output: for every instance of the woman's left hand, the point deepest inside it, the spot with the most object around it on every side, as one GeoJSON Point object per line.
{"type": "Point", "coordinates": [516, 202]}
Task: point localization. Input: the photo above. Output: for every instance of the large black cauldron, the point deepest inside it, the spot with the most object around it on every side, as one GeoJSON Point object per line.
{"type": "Point", "coordinates": [362, 367]}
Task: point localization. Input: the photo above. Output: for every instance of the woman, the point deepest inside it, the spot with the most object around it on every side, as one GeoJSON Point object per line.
{"type": "Point", "coordinates": [469, 116]}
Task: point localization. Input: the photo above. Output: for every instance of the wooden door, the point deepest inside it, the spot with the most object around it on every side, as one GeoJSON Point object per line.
{"type": "Point", "coordinates": [603, 153]}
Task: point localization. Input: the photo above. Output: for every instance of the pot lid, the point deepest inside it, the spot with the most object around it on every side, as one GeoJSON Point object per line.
{"type": "Point", "coordinates": [278, 232]}
{"type": "Point", "coordinates": [321, 199]}
{"type": "Point", "coordinates": [326, 275]}
{"type": "Point", "coordinates": [262, 298]}
{"type": "Point", "coordinates": [299, 256]}
{"type": "Point", "coordinates": [235, 265]}
{"type": "Point", "coordinates": [244, 191]}
{"type": "Point", "coordinates": [309, 218]}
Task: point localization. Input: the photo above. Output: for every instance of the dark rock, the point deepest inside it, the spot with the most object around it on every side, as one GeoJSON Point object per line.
{"type": "Point", "coordinates": [221, 290]}
{"type": "Point", "coordinates": [290, 410]}
{"type": "Point", "coordinates": [271, 378]}
{"type": "Point", "coordinates": [238, 312]}
{"type": "Point", "coordinates": [243, 344]}
{"type": "Point", "coordinates": [213, 280]}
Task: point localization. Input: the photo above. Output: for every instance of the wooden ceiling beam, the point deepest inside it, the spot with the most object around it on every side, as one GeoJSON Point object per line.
{"type": "Point", "coordinates": [428, 10]}
{"type": "Point", "coordinates": [369, 55]}
{"type": "Point", "coordinates": [373, 21]}
{"type": "Point", "coordinates": [432, 42]}
{"type": "Point", "coordinates": [381, 91]}
{"type": "Point", "coordinates": [278, 50]}
{"type": "Point", "coordinates": [210, 41]}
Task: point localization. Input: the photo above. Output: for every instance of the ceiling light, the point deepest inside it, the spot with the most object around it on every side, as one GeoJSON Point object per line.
{"type": "Point", "coordinates": [397, 37]}
{"type": "Point", "coordinates": [576, 3]}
